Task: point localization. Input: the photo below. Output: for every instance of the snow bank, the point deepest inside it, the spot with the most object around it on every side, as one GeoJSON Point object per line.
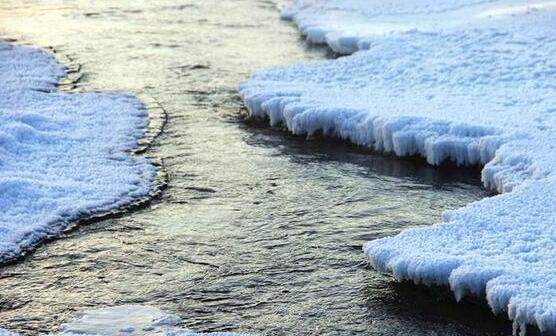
{"type": "Point", "coordinates": [61, 155]}
{"type": "Point", "coordinates": [469, 81]}
{"type": "Point", "coordinates": [132, 320]}
{"type": "Point", "coordinates": [350, 25]}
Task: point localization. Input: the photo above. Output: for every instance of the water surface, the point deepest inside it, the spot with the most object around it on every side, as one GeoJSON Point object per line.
{"type": "Point", "coordinates": [258, 231]}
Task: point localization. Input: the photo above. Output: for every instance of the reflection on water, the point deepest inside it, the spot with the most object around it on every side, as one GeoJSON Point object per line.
{"type": "Point", "coordinates": [258, 230]}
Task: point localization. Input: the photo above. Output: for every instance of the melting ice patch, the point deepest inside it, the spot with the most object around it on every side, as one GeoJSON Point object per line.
{"type": "Point", "coordinates": [129, 320]}
{"type": "Point", "coordinates": [476, 90]}
{"type": "Point", "coordinates": [61, 155]}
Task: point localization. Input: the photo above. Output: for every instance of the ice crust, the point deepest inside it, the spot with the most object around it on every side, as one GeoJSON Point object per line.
{"type": "Point", "coordinates": [4, 332]}
{"type": "Point", "coordinates": [473, 82]}
{"type": "Point", "coordinates": [61, 155]}
{"type": "Point", "coordinates": [129, 320]}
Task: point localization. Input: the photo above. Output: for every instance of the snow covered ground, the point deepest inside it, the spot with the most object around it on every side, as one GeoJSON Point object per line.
{"type": "Point", "coordinates": [61, 155]}
{"type": "Point", "coordinates": [471, 81]}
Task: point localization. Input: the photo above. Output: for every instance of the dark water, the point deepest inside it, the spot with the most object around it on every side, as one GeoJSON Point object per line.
{"type": "Point", "coordinates": [258, 231]}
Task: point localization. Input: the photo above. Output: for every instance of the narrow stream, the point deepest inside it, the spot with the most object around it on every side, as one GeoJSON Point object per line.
{"type": "Point", "coordinates": [258, 231]}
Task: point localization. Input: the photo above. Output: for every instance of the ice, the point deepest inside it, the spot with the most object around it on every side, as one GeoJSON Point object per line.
{"type": "Point", "coordinates": [129, 320]}
{"type": "Point", "coordinates": [125, 320]}
{"type": "Point", "coordinates": [61, 155]}
{"type": "Point", "coordinates": [4, 332]}
{"type": "Point", "coordinates": [472, 82]}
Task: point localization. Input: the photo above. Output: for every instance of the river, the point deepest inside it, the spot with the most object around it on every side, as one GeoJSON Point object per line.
{"type": "Point", "coordinates": [257, 231]}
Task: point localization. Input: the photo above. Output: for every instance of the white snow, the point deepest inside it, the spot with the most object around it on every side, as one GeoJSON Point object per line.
{"type": "Point", "coordinates": [129, 320]}
{"type": "Point", "coordinates": [470, 81]}
{"type": "Point", "coordinates": [61, 155]}
{"type": "Point", "coordinates": [4, 332]}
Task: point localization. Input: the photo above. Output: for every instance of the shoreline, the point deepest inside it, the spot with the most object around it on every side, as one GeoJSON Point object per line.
{"type": "Point", "coordinates": [157, 118]}
{"type": "Point", "coordinates": [309, 98]}
{"type": "Point", "coordinates": [233, 186]}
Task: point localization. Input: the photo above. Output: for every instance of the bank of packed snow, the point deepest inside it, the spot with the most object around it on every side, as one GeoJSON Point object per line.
{"type": "Point", "coordinates": [130, 320]}
{"type": "Point", "coordinates": [470, 81]}
{"type": "Point", "coordinates": [61, 155]}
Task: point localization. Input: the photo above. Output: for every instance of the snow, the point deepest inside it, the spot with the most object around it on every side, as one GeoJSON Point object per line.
{"type": "Point", "coordinates": [132, 320]}
{"type": "Point", "coordinates": [61, 155]}
{"type": "Point", "coordinates": [470, 81]}
{"type": "Point", "coordinates": [350, 25]}
{"type": "Point", "coordinates": [4, 332]}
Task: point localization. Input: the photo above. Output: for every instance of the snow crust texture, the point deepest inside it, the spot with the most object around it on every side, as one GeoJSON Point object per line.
{"type": "Point", "coordinates": [61, 155]}
{"type": "Point", "coordinates": [469, 81]}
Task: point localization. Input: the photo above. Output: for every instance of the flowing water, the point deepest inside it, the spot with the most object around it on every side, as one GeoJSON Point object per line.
{"type": "Point", "coordinates": [258, 231]}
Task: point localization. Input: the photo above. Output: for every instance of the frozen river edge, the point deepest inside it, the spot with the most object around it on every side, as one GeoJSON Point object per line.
{"type": "Point", "coordinates": [46, 119]}
{"type": "Point", "coordinates": [428, 86]}
{"type": "Point", "coordinates": [49, 81]}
